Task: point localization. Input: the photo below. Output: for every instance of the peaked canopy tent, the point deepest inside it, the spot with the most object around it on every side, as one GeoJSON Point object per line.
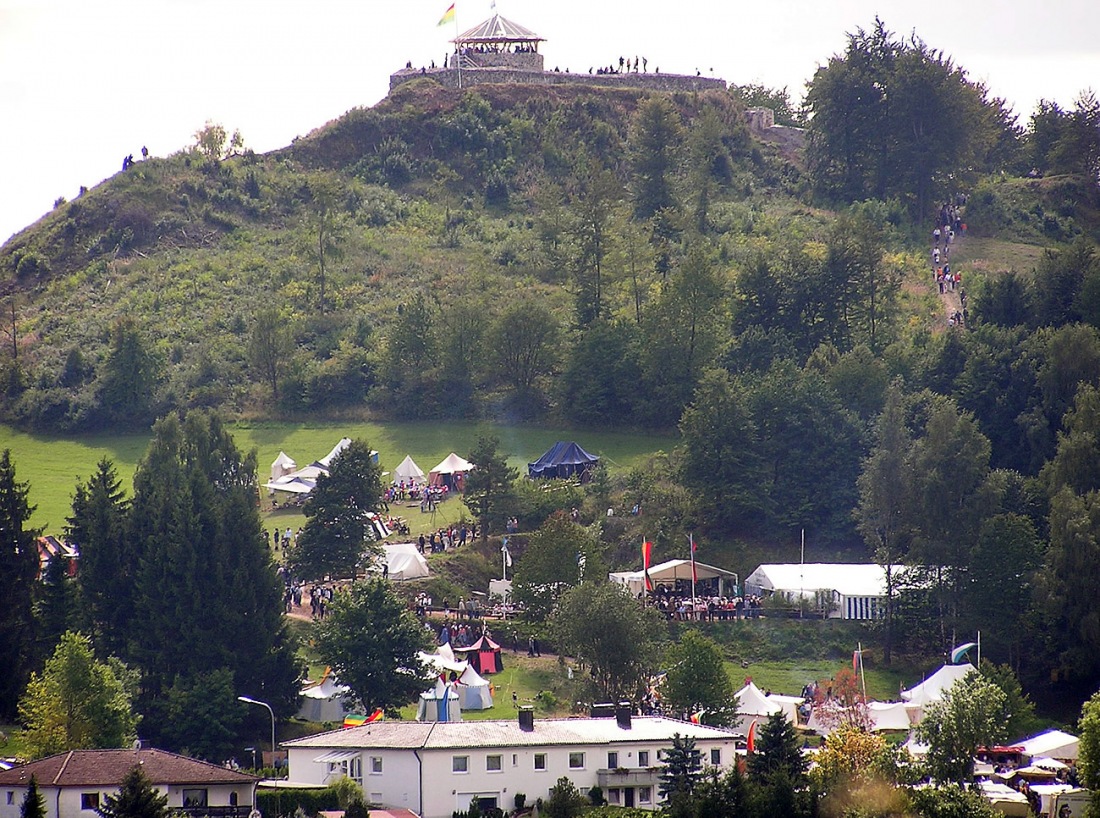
{"type": "Point", "coordinates": [409, 471]}
{"type": "Point", "coordinates": [669, 572]}
{"type": "Point", "coordinates": [563, 459]}
{"type": "Point", "coordinates": [474, 692]}
{"type": "Point", "coordinates": [484, 656]}
{"type": "Point", "coordinates": [449, 471]}
{"type": "Point", "coordinates": [932, 689]}
{"type": "Point", "coordinates": [282, 465]}
{"type": "Point", "coordinates": [324, 700]}
{"type": "Point", "coordinates": [439, 704]}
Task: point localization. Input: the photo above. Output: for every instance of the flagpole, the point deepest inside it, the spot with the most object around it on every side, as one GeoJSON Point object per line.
{"type": "Point", "coordinates": [458, 50]}
{"type": "Point", "coordinates": [979, 650]}
{"type": "Point", "coordinates": [802, 573]}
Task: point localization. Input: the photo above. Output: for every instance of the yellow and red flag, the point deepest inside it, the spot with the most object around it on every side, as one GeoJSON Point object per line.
{"type": "Point", "coordinates": [448, 16]}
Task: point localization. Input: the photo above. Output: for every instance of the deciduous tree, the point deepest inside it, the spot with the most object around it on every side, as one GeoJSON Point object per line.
{"type": "Point", "coordinates": [972, 713]}
{"type": "Point", "coordinates": [371, 640]}
{"type": "Point", "coordinates": [697, 682]}
{"type": "Point", "coordinates": [488, 492]}
{"type": "Point", "coordinates": [76, 703]}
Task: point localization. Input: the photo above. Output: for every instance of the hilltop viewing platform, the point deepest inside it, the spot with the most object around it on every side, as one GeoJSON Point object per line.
{"type": "Point", "coordinates": [500, 51]}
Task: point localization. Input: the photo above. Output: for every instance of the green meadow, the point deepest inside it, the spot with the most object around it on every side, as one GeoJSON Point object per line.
{"type": "Point", "coordinates": [53, 465]}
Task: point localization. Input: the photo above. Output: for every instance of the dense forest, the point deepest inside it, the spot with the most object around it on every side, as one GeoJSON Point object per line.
{"type": "Point", "coordinates": [594, 257]}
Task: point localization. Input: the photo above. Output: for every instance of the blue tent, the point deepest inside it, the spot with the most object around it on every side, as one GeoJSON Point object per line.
{"type": "Point", "coordinates": [562, 460]}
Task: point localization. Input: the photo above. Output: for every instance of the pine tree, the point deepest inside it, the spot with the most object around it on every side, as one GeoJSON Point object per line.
{"type": "Point", "coordinates": [18, 569]}
{"type": "Point", "coordinates": [206, 593]}
{"type": "Point", "coordinates": [136, 798]}
{"type": "Point", "coordinates": [778, 756]}
{"type": "Point", "coordinates": [105, 580]}
{"type": "Point", "coordinates": [34, 805]}
{"type": "Point", "coordinates": [54, 606]}
{"type": "Point", "coordinates": [683, 766]}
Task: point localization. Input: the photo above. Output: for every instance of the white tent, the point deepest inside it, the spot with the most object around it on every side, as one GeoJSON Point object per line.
{"type": "Point", "coordinates": [854, 591]}
{"type": "Point", "coordinates": [474, 692]}
{"type": "Point", "coordinates": [671, 570]}
{"type": "Point", "coordinates": [891, 715]}
{"type": "Point", "coordinates": [439, 704]}
{"type": "Point", "coordinates": [326, 461]}
{"type": "Point", "coordinates": [404, 561]}
{"type": "Point", "coordinates": [323, 700]}
{"type": "Point", "coordinates": [450, 465]}
{"type": "Point", "coordinates": [292, 484]}
{"type": "Point", "coordinates": [1051, 744]}
{"type": "Point", "coordinates": [788, 704]}
{"type": "Point", "coordinates": [283, 464]}
{"type": "Point", "coordinates": [932, 688]}
{"type": "Point", "coordinates": [753, 705]}
{"type": "Point", "coordinates": [443, 664]}
{"type": "Point", "coordinates": [1004, 799]}
{"type": "Point", "coordinates": [408, 471]}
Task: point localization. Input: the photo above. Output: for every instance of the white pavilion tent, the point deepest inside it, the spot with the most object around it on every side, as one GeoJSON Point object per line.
{"type": "Point", "coordinates": [404, 561]}
{"type": "Point", "coordinates": [754, 705]}
{"type": "Point", "coordinates": [474, 691]}
{"type": "Point", "coordinates": [282, 465]}
{"type": "Point", "coordinates": [439, 704]}
{"type": "Point", "coordinates": [854, 590]}
{"type": "Point", "coordinates": [671, 570]}
{"type": "Point", "coordinates": [933, 688]}
{"type": "Point", "coordinates": [1051, 744]}
{"type": "Point", "coordinates": [324, 700]}
{"type": "Point", "coordinates": [408, 471]}
{"type": "Point", "coordinates": [450, 465]}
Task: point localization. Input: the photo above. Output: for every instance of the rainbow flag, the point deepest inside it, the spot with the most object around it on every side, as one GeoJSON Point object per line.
{"type": "Point", "coordinates": [448, 16]}
{"type": "Point", "coordinates": [358, 719]}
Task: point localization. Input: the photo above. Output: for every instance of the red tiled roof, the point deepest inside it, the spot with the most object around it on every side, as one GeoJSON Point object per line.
{"type": "Point", "coordinates": [107, 768]}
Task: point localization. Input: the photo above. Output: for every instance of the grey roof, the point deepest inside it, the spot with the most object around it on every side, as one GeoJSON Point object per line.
{"type": "Point", "coordinates": [547, 732]}
{"type": "Point", "coordinates": [498, 30]}
{"type": "Point", "coordinates": [107, 768]}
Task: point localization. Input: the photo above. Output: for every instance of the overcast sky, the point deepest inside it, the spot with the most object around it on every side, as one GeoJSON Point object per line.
{"type": "Point", "coordinates": [83, 83]}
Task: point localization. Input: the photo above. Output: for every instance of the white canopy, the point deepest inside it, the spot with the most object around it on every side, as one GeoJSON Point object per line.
{"type": "Point", "coordinates": [292, 484]}
{"type": "Point", "coordinates": [1051, 744]}
{"type": "Point", "coordinates": [452, 464]}
{"type": "Point", "coordinates": [932, 688]}
{"type": "Point", "coordinates": [751, 701]}
{"type": "Point", "coordinates": [408, 471]}
{"type": "Point", "coordinates": [283, 464]}
{"type": "Point", "coordinates": [326, 461]}
{"type": "Point", "coordinates": [890, 715]}
{"type": "Point", "coordinates": [439, 704]}
{"type": "Point", "coordinates": [670, 571]}
{"type": "Point", "coordinates": [439, 663]}
{"type": "Point", "coordinates": [404, 561]}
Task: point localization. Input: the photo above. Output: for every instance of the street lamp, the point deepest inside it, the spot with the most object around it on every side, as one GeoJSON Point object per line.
{"type": "Point", "coordinates": [248, 700]}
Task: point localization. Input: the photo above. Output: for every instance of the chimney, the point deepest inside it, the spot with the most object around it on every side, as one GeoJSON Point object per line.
{"type": "Point", "coordinates": [603, 710]}
{"type": "Point", "coordinates": [622, 715]}
{"type": "Point", "coordinates": [527, 718]}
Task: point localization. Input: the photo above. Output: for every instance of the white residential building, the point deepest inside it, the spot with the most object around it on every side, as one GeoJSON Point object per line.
{"type": "Point", "coordinates": [437, 768]}
{"type": "Point", "coordinates": [75, 784]}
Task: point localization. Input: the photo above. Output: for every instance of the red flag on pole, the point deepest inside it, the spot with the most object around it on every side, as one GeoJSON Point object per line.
{"type": "Point", "coordinates": [647, 552]}
{"type": "Point", "coordinates": [750, 745]}
{"type": "Point", "coordinates": [855, 661]}
{"type": "Point", "coordinates": [694, 575]}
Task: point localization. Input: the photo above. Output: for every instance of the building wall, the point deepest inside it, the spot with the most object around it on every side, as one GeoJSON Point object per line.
{"type": "Point", "coordinates": [66, 802]}
{"type": "Point", "coordinates": [479, 76]}
{"type": "Point", "coordinates": [444, 790]}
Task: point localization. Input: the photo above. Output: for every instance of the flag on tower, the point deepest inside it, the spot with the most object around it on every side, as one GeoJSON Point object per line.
{"type": "Point", "coordinates": [448, 16]}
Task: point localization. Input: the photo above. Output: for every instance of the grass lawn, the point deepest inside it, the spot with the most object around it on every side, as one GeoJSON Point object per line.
{"type": "Point", "coordinates": [788, 678]}
{"type": "Point", "coordinates": [54, 465]}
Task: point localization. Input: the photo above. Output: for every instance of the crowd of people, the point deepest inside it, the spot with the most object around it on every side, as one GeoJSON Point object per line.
{"type": "Point", "coordinates": [686, 608]}
{"type": "Point", "coordinates": [949, 224]}
{"type": "Point", "coordinates": [444, 539]}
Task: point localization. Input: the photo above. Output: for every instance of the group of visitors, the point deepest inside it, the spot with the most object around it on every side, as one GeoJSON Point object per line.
{"type": "Point", "coordinates": [685, 608]}
{"type": "Point", "coordinates": [948, 225]}
{"type": "Point", "coordinates": [461, 634]}
{"type": "Point", "coordinates": [626, 66]}
{"type": "Point", "coordinates": [444, 539]}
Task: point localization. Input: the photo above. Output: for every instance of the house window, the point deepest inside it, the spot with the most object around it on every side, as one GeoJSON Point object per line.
{"type": "Point", "coordinates": [233, 799]}
{"type": "Point", "coordinates": [494, 764]}
{"type": "Point", "coordinates": [194, 798]}
{"type": "Point", "coordinates": [376, 765]}
{"type": "Point", "coordinates": [643, 758]}
{"type": "Point", "coordinates": [515, 759]}
{"type": "Point", "coordinates": [645, 795]}
{"type": "Point", "coordinates": [540, 761]}
{"type": "Point", "coordinates": [576, 761]}
{"type": "Point", "coordinates": [89, 800]}
{"type": "Point", "coordinates": [355, 769]}
{"type": "Point", "coordinates": [11, 796]}
{"type": "Point", "coordinates": [460, 764]}
{"type": "Point", "coordinates": [716, 757]}
{"type": "Point", "coordinates": [612, 760]}
{"type": "Point", "coordinates": [614, 796]}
